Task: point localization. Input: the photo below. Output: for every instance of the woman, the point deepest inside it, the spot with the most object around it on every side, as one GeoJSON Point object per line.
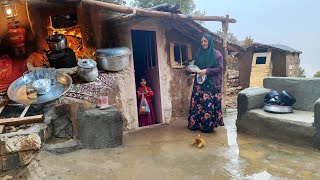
{"type": "Point", "coordinates": [146, 91]}
{"type": "Point", "coordinates": [205, 107]}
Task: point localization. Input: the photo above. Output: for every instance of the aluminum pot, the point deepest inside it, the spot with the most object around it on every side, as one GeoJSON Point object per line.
{"type": "Point", "coordinates": [57, 42]}
{"type": "Point", "coordinates": [87, 70]}
{"type": "Point", "coordinates": [113, 59]}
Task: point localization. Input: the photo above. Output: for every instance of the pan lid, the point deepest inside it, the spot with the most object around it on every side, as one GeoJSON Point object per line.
{"type": "Point", "coordinates": [113, 52]}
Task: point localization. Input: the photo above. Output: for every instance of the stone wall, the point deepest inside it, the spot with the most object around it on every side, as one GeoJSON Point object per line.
{"type": "Point", "coordinates": [245, 62]}
{"type": "Point", "coordinates": [181, 83]}
{"type": "Point", "coordinates": [292, 65]}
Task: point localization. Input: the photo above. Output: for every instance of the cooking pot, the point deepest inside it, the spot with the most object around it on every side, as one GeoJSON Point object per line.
{"type": "Point", "coordinates": [286, 99]}
{"type": "Point", "coordinates": [87, 70]}
{"type": "Point", "coordinates": [113, 59]}
{"type": "Point", "coordinates": [57, 42]}
{"type": "Point", "coordinates": [272, 97]}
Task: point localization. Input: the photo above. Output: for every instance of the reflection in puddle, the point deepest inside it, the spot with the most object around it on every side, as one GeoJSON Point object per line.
{"type": "Point", "coordinates": [261, 176]}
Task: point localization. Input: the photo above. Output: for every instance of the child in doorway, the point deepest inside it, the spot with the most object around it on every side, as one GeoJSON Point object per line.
{"type": "Point", "coordinates": [146, 92]}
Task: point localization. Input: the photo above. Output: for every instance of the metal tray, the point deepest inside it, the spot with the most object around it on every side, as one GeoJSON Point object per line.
{"type": "Point", "coordinates": [17, 90]}
{"type": "Point", "coordinates": [273, 108]}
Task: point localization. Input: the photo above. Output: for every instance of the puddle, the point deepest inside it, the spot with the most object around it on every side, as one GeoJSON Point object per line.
{"type": "Point", "coordinates": [165, 152]}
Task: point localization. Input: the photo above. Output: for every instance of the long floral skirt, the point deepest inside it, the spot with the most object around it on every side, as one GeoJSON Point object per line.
{"type": "Point", "coordinates": [205, 108]}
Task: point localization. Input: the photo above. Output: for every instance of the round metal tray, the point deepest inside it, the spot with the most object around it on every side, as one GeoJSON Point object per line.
{"type": "Point", "coordinates": [17, 90]}
{"type": "Point", "coordinates": [277, 109]}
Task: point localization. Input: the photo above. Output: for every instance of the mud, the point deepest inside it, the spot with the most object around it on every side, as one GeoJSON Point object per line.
{"type": "Point", "coordinates": [164, 152]}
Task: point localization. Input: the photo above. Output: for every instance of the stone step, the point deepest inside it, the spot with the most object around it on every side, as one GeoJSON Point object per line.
{"type": "Point", "coordinates": [62, 147]}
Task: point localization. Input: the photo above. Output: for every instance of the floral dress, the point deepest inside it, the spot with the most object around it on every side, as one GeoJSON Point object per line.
{"type": "Point", "coordinates": [205, 108]}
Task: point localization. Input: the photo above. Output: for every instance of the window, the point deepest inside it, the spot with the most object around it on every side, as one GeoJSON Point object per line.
{"type": "Point", "coordinates": [179, 53]}
{"type": "Point", "coordinates": [261, 60]}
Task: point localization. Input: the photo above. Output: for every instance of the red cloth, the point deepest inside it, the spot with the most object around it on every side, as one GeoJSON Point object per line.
{"type": "Point", "coordinates": [148, 119]}
{"type": "Point", "coordinates": [11, 68]}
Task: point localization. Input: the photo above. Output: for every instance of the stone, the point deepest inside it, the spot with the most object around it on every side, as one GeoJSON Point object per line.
{"type": "Point", "coordinates": [26, 157]}
{"type": "Point", "coordinates": [233, 74]}
{"type": "Point", "coordinates": [62, 127]}
{"type": "Point", "coordinates": [100, 128]}
{"type": "Point", "coordinates": [20, 143]}
{"type": "Point", "coordinates": [7, 177]}
{"type": "Point", "coordinates": [239, 88]}
{"type": "Point", "coordinates": [63, 147]}
{"type": "Point", "coordinates": [10, 161]}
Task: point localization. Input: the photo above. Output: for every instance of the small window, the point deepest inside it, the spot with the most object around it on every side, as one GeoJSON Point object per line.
{"type": "Point", "coordinates": [179, 54]}
{"type": "Point", "coordinates": [261, 60]}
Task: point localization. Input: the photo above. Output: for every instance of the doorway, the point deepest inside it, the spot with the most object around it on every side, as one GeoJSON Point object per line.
{"type": "Point", "coordinates": [146, 65]}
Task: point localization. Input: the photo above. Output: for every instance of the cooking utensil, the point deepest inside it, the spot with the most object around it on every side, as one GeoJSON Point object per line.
{"type": "Point", "coordinates": [17, 90]}
{"type": "Point", "coordinates": [286, 99]}
{"type": "Point", "coordinates": [57, 42]}
{"type": "Point", "coordinates": [274, 108]}
{"type": "Point", "coordinates": [87, 70]}
{"type": "Point", "coordinates": [64, 21]}
{"type": "Point", "coordinates": [42, 86]}
{"type": "Point", "coordinates": [193, 68]}
{"type": "Point", "coordinates": [113, 59]}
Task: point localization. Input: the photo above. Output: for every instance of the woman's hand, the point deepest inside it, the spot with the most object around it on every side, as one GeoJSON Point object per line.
{"type": "Point", "coordinates": [202, 72]}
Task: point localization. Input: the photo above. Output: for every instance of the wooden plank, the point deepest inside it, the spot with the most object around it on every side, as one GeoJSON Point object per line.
{"type": "Point", "coordinates": [22, 120]}
{"type": "Point", "coordinates": [25, 110]}
{"type": "Point", "coordinates": [73, 117]}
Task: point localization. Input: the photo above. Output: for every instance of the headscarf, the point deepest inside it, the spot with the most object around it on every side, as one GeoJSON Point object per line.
{"type": "Point", "coordinates": [206, 58]}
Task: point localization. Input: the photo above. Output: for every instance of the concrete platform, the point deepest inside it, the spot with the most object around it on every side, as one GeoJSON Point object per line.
{"type": "Point", "coordinates": [294, 128]}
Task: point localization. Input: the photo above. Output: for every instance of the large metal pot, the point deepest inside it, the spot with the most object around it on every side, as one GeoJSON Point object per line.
{"type": "Point", "coordinates": [113, 59]}
{"type": "Point", "coordinates": [57, 42]}
{"type": "Point", "coordinates": [87, 70]}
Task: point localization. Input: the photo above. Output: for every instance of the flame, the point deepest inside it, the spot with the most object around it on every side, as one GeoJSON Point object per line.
{"type": "Point", "coordinates": [75, 31]}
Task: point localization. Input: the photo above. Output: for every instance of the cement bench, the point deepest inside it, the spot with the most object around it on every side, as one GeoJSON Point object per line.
{"type": "Point", "coordinates": [302, 127]}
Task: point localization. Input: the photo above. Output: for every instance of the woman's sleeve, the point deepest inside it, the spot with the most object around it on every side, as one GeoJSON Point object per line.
{"type": "Point", "coordinates": [150, 92]}
{"type": "Point", "coordinates": [219, 68]}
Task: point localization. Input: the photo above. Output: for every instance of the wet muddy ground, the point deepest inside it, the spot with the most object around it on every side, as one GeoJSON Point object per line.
{"type": "Point", "coordinates": [164, 152]}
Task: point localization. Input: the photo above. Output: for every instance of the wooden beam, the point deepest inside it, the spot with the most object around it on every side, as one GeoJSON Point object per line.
{"type": "Point", "coordinates": [22, 120]}
{"type": "Point", "coordinates": [144, 12]}
{"type": "Point", "coordinates": [225, 54]}
{"type": "Point", "coordinates": [73, 117]}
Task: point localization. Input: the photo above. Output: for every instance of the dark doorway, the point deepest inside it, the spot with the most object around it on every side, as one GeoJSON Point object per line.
{"type": "Point", "coordinates": [144, 47]}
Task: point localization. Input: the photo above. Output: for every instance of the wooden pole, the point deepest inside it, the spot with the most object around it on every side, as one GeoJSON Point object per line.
{"type": "Point", "coordinates": [144, 12]}
{"type": "Point", "coordinates": [225, 27]}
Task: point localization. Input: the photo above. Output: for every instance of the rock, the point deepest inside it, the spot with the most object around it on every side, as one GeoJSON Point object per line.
{"type": "Point", "coordinates": [62, 127]}
{"type": "Point", "coordinates": [239, 88]}
{"type": "Point", "coordinates": [233, 74]}
{"type": "Point", "coordinates": [7, 177]}
{"type": "Point", "coordinates": [20, 143]}
{"type": "Point", "coordinates": [100, 128]}
{"type": "Point", "coordinates": [63, 147]}
{"type": "Point", "coordinates": [10, 161]}
{"type": "Point", "coordinates": [26, 157]}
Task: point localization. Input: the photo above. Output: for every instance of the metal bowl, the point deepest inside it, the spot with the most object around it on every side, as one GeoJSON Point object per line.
{"type": "Point", "coordinates": [42, 86]}
{"type": "Point", "coordinates": [17, 90]}
{"type": "Point", "coordinates": [113, 59]}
